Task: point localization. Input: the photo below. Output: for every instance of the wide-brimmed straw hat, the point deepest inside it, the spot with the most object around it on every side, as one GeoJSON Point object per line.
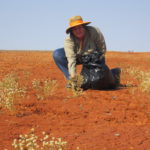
{"type": "Point", "coordinates": [75, 21]}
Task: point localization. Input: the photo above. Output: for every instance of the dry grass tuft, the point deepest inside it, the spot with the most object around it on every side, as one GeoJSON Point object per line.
{"type": "Point", "coordinates": [10, 91]}
{"type": "Point", "coordinates": [142, 78]}
{"type": "Point", "coordinates": [44, 88]}
{"type": "Point", "coordinates": [145, 84]}
{"type": "Point", "coordinates": [75, 84]}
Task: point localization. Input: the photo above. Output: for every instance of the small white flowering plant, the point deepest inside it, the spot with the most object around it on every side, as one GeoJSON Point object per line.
{"type": "Point", "coordinates": [31, 141]}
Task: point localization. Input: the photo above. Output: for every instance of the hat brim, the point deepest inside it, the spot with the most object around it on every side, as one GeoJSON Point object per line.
{"type": "Point", "coordinates": [83, 23]}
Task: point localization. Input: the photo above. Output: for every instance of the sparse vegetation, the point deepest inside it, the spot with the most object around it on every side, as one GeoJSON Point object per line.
{"type": "Point", "coordinates": [143, 78]}
{"type": "Point", "coordinates": [31, 141]}
{"type": "Point", "coordinates": [44, 88]}
{"type": "Point", "coordinates": [145, 84]}
{"type": "Point", "coordinates": [10, 91]}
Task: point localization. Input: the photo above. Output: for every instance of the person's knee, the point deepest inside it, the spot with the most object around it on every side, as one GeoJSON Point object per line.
{"type": "Point", "coordinates": [57, 54]}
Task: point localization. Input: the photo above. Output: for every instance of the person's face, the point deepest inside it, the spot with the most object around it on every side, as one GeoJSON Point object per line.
{"type": "Point", "coordinates": [79, 31]}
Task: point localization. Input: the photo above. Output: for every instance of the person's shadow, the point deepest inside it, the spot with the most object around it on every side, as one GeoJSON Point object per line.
{"type": "Point", "coordinates": [119, 87]}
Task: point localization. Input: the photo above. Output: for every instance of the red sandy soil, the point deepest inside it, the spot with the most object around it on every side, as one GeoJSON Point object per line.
{"type": "Point", "coordinates": [96, 120]}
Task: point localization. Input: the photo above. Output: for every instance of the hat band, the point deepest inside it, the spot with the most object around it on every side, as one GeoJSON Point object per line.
{"type": "Point", "coordinates": [75, 22]}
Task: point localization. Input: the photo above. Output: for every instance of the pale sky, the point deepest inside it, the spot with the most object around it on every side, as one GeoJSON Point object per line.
{"type": "Point", "coordinates": [41, 24]}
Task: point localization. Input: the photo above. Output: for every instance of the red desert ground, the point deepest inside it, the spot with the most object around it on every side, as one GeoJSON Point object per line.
{"type": "Point", "coordinates": [91, 120]}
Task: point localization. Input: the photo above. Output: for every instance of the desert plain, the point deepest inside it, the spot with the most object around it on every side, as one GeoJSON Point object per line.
{"type": "Point", "coordinates": [91, 120]}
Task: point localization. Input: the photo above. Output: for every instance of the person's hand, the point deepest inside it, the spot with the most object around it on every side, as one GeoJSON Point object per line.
{"type": "Point", "coordinates": [72, 76]}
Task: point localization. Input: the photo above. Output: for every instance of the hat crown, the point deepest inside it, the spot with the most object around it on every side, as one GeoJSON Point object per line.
{"type": "Point", "coordinates": [75, 18]}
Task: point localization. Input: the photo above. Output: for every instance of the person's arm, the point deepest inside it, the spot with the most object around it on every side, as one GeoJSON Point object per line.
{"type": "Point", "coordinates": [100, 41]}
{"type": "Point", "coordinates": [71, 56]}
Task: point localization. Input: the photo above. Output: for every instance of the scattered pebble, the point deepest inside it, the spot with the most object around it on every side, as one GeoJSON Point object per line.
{"type": "Point", "coordinates": [114, 97]}
{"type": "Point", "coordinates": [117, 134]}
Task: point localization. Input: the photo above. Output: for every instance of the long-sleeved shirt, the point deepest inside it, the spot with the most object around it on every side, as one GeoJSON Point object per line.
{"type": "Point", "coordinates": [94, 40]}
